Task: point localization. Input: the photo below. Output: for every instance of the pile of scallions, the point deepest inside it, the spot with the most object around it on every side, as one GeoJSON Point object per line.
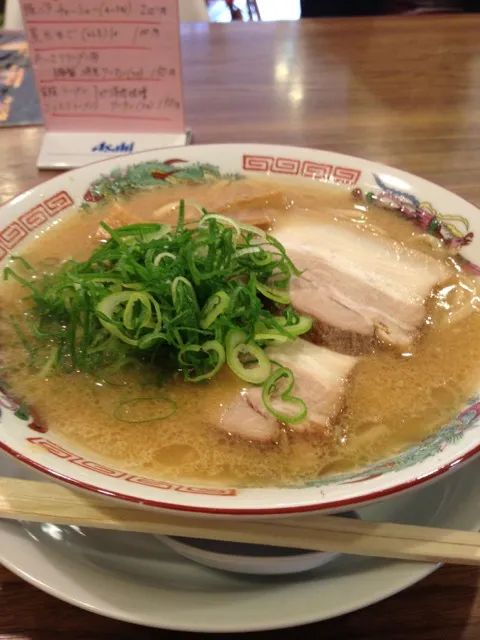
{"type": "Point", "coordinates": [187, 298]}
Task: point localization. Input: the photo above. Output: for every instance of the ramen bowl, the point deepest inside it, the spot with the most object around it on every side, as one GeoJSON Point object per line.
{"type": "Point", "coordinates": [451, 220]}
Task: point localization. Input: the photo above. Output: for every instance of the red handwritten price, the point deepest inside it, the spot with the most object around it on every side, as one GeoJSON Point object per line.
{"type": "Point", "coordinates": [107, 66]}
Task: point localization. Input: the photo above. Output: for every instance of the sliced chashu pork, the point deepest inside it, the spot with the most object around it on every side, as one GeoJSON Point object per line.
{"type": "Point", "coordinates": [320, 380]}
{"type": "Point", "coordinates": [117, 217]}
{"type": "Point", "coordinates": [120, 217]}
{"type": "Point", "coordinates": [244, 201]}
{"type": "Point", "coordinates": [247, 202]}
{"type": "Point", "coordinates": [231, 197]}
{"type": "Point", "coordinates": [359, 282]}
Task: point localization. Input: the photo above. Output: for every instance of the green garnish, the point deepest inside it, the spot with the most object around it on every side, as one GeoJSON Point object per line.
{"type": "Point", "coordinates": [246, 358]}
{"type": "Point", "coordinates": [190, 298]}
{"type": "Point", "coordinates": [214, 306]}
{"type": "Point", "coordinates": [210, 356]}
{"type": "Point", "coordinates": [293, 409]}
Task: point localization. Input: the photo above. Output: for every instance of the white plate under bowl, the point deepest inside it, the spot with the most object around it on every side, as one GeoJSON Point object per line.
{"type": "Point", "coordinates": [137, 579]}
{"type": "Point", "coordinates": [29, 214]}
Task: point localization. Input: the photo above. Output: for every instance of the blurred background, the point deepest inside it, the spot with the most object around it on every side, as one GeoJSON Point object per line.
{"type": "Point", "coordinates": [266, 10]}
{"type": "Point", "coordinates": [221, 11]}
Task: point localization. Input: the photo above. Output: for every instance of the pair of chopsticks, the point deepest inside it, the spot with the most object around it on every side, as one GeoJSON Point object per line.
{"type": "Point", "coordinates": [47, 502]}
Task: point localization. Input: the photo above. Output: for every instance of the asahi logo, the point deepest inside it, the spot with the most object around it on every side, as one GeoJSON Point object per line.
{"type": "Point", "coordinates": [123, 147]}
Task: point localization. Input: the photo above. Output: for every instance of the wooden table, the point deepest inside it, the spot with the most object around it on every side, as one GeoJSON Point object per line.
{"type": "Point", "coordinates": [404, 91]}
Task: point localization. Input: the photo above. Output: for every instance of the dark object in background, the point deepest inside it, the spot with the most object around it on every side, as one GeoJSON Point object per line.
{"type": "Point", "coordinates": [19, 103]}
{"type": "Point", "coordinates": [333, 8]}
{"type": "Point", "coordinates": [234, 10]}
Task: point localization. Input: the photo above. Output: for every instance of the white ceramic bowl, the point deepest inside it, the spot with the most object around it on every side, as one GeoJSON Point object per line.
{"type": "Point", "coordinates": [252, 559]}
{"type": "Point", "coordinates": [47, 452]}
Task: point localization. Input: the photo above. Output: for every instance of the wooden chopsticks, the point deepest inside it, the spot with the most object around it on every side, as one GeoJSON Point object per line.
{"type": "Point", "coordinates": [47, 502]}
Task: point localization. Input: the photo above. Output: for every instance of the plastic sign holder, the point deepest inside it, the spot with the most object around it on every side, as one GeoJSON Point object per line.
{"type": "Point", "coordinates": [109, 77]}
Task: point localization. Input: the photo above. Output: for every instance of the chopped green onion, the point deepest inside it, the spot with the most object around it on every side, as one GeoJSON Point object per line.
{"type": "Point", "coordinates": [179, 285]}
{"type": "Point", "coordinates": [162, 256]}
{"type": "Point", "coordinates": [247, 360]}
{"type": "Point", "coordinates": [209, 348]}
{"type": "Point", "coordinates": [8, 272]}
{"type": "Point", "coordinates": [181, 217]}
{"type": "Point", "coordinates": [234, 337]}
{"type": "Point", "coordinates": [294, 409]}
{"type": "Point", "coordinates": [49, 365]}
{"type": "Point", "coordinates": [256, 231]}
{"type": "Point", "coordinates": [26, 265]}
{"type": "Point", "coordinates": [214, 306]}
{"type": "Point", "coordinates": [148, 317]}
{"type": "Point", "coordinates": [262, 258]}
{"type": "Point", "coordinates": [160, 233]}
{"type": "Point", "coordinates": [21, 335]}
{"type": "Point", "coordinates": [186, 297]}
{"type": "Point", "coordinates": [247, 251]}
{"type": "Point", "coordinates": [277, 295]}
{"type": "Point", "coordinates": [302, 325]}
{"type": "Point", "coordinates": [269, 335]}
{"type": "Point", "coordinates": [222, 220]}
{"type": "Point", "coordinates": [142, 229]}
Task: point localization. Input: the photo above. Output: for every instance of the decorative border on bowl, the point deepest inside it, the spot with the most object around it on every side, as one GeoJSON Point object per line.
{"type": "Point", "coordinates": [306, 169]}
{"type": "Point", "coordinates": [432, 445]}
{"type": "Point", "coordinates": [126, 181]}
{"type": "Point", "coordinates": [54, 449]}
{"type": "Point", "coordinates": [19, 229]}
{"type": "Point", "coordinates": [133, 178]}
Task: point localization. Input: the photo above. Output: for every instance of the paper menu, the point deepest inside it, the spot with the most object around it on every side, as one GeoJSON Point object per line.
{"type": "Point", "coordinates": [107, 65]}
